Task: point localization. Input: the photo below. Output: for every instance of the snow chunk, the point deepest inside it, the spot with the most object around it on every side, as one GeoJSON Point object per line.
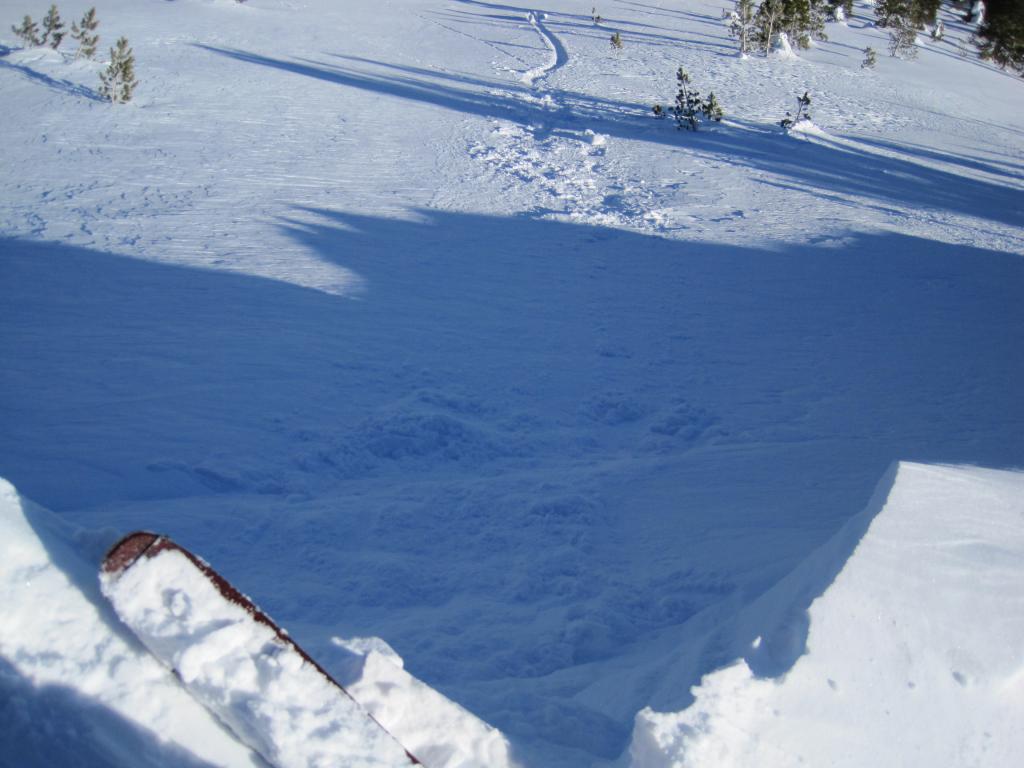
{"type": "Point", "coordinates": [781, 47]}
{"type": "Point", "coordinates": [435, 729]}
{"type": "Point", "coordinates": [913, 653]}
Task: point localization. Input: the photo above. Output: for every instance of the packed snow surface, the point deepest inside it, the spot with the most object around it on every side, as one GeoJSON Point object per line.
{"type": "Point", "coordinates": [412, 319]}
{"type": "Point", "coordinates": [913, 655]}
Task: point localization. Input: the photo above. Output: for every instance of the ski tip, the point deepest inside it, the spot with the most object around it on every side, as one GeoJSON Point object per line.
{"type": "Point", "coordinates": [128, 550]}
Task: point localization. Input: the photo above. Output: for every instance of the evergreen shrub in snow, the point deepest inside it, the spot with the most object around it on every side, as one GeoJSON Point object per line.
{"type": "Point", "coordinates": [616, 41]}
{"type": "Point", "coordinates": [689, 109]}
{"type": "Point", "coordinates": [28, 32]}
{"type": "Point", "coordinates": [802, 113]}
{"type": "Point", "coordinates": [902, 38]}
{"type": "Point", "coordinates": [118, 79]}
{"type": "Point", "coordinates": [687, 106]}
{"type": "Point", "coordinates": [870, 58]}
{"type": "Point", "coordinates": [84, 33]}
{"type": "Point", "coordinates": [53, 27]}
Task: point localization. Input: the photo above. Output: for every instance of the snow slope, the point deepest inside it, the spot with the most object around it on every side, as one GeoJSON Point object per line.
{"type": "Point", "coordinates": [506, 372]}
{"type": "Point", "coordinates": [913, 654]}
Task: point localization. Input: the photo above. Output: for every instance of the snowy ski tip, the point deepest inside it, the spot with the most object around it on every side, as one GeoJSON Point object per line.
{"type": "Point", "coordinates": [237, 662]}
{"type": "Point", "coordinates": [128, 550]}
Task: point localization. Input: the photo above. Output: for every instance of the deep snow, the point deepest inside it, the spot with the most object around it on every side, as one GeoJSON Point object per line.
{"type": "Point", "coordinates": [411, 319]}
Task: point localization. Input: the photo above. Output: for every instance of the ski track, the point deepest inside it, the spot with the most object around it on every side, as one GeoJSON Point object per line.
{"type": "Point", "coordinates": [558, 55]}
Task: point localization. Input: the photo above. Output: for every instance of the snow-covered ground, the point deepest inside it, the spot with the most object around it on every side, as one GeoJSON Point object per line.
{"type": "Point", "coordinates": [409, 317]}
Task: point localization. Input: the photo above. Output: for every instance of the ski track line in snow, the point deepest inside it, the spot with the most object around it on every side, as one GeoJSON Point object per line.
{"type": "Point", "coordinates": [558, 55]}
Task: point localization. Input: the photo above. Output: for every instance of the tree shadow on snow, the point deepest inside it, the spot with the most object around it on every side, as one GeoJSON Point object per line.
{"type": "Point", "coordinates": [64, 86]}
{"type": "Point", "coordinates": [608, 430]}
{"type": "Point", "coordinates": [821, 166]}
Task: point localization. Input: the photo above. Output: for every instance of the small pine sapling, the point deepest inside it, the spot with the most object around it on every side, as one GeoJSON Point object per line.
{"type": "Point", "coordinates": [870, 58]}
{"type": "Point", "coordinates": [902, 38]}
{"type": "Point", "coordinates": [712, 109]}
{"type": "Point", "coordinates": [688, 104]}
{"type": "Point", "coordinates": [938, 31]}
{"type": "Point", "coordinates": [802, 113]}
{"type": "Point", "coordinates": [53, 27]}
{"type": "Point", "coordinates": [84, 33]}
{"type": "Point", "coordinates": [616, 41]}
{"type": "Point", "coordinates": [117, 81]}
{"type": "Point", "coordinates": [28, 32]}
{"type": "Point", "coordinates": [741, 25]}
{"type": "Point", "coordinates": [659, 111]}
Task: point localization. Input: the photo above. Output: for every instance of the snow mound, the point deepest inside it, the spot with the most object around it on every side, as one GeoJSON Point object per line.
{"type": "Point", "coordinates": [912, 656]}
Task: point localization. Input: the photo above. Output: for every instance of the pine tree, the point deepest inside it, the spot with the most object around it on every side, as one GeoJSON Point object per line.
{"type": "Point", "coordinates": [616, 41]}
{"type": "Point", "coordinates": [84, 32]}
{"type": "Point", "coordinates": [28, 32]}
{"type": "Point", "coordinates": [711, 108]}
{"type": "Point", "coordinates": [118, 79]}
{"type": "Point", "coordinates": [688, 104]}
{"type": "Point", "coordinates": [902, 37]}
{"type": "Point", "coordinates": [53, 27]}
{"type": "Point", "coordinates": [1000, 36]}
{"type": "Point", "coordinates": [802, 112]}
{"type": "Point", "coordinates": [741, 25]}
{"type": "Point", "coordinates": [938, 31]}
{"type": "Point", "coordinates": [768, 22]}
{"type": "Point", "coordinates": [870, 58]}
{"type": "Point", "coordinates": [886, 10]}
{"type": "Point", "coordinates": [924, 12]}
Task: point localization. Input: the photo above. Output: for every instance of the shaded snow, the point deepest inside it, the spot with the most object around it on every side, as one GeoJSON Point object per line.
{"type": "Point", "coordinates": [535, 387]}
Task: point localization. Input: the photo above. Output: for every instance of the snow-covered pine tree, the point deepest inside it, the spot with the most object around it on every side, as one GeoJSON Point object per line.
{"type": "Point", "coordinates": [870, 58]}
{"type": "Point", "coordinates": [902, 37]}
{"type": "Point", "coordinates": [821, 12]}
{"type": "Point", "coordinates": [84, 33]}
{"type": "Point", "coordinates": [741, 25]}
{"type": "Point", "coordinates": [118, 79]}
{"type": "Point", "coordinates": [28, 32]}
{"type": "Point", "coordinates": [53, 27]}
{"type": "Point", "coordinates": [938, 31]}
{"type": "Point", "coordinates": [768, 22]}
{"type": "Point", "coordinates": [840, 10]}
{"type": "Point", "coordinates": [688, 104]}
{"type": "Point", "coordinates": [1000, 35]}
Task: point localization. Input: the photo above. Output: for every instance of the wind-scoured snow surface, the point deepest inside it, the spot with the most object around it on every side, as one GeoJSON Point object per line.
{"type": "Point", "coordinates": [412, 320]}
